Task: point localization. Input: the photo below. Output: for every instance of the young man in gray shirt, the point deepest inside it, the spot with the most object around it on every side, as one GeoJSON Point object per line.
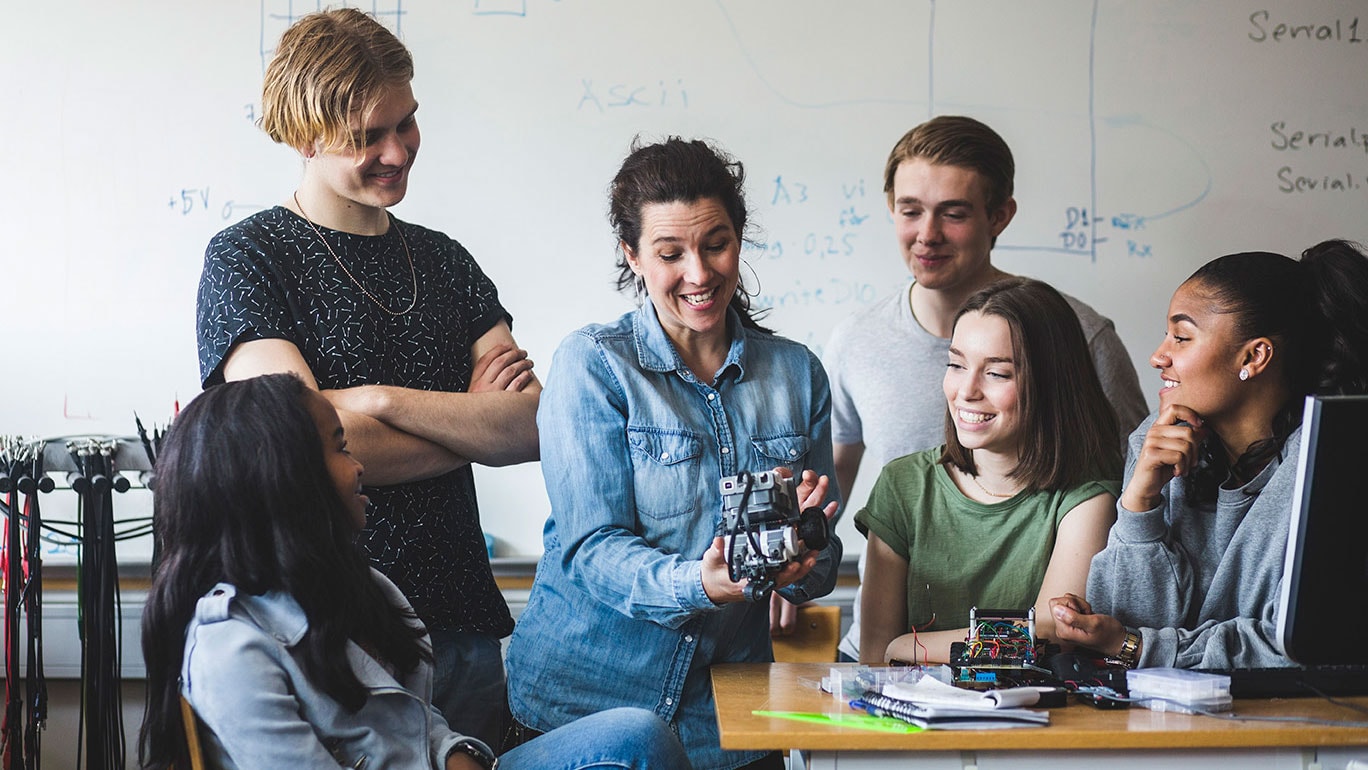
{"type": "Point", "coordinates": [949, 187]}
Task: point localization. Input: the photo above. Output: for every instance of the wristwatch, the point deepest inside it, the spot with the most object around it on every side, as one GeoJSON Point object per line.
{"type": "Point", "coordinates": [1130, 649]}
{"type": "Point", "coordinates": [478, 752]}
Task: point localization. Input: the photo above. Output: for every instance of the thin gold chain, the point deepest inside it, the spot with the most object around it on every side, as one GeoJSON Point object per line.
{"type": "Point", "coordinates": [986, 490]}
{"type": "Point", "coordinates": [413, 274]}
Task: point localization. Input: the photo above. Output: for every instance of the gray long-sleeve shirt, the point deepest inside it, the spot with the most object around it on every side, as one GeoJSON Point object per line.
{"type": "Point", "coordinates": [1200, 581]}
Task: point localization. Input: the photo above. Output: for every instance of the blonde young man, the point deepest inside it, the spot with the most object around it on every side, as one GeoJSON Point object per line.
{"type": "Point", "coordinates": [395, 324]}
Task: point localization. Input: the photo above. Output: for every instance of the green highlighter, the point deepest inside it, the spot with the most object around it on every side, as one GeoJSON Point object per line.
{"type": "Point", "coordinates": [859, 721]}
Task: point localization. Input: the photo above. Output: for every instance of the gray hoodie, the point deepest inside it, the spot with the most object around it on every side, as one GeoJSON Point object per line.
{"type": "Point", "coordinates": [1200, 581]}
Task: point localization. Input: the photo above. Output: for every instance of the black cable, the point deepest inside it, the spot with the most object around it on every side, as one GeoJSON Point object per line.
{"type": "Point", "coordinates": [82, 504]}
{"type": "Point", "coordinates": [129, 520]}
{"type": "Point", "coordinates": [101, 713]}
{"type": "Point", "coordinates": [1232, 717]}
{"type": "Point", "coordinates": [75, 538]}
{"type": "Point", "coordinates": [24, 723]}
{"type": "Point", "coordinates": [95, 534]}
{"type": "Point", "coordinates": [12, 726]}
{"type": "Point", "coordinates": [1336, 701]}
{"type": "Point", "coordinates": [35, 682]}
{"type": "Point", "coordinates": [134, 534]}
{"type": "Point", "coordinates": [743, 478]}
{"type": "Point", "coordinates": [106, 738]}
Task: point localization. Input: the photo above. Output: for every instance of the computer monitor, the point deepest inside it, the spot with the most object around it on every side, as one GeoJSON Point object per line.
{"type": "Point", "coordinates": [1324, 602]}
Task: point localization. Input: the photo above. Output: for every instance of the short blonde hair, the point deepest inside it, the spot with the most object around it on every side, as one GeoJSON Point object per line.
{"type": "Point", "coordinates": [328, 67]}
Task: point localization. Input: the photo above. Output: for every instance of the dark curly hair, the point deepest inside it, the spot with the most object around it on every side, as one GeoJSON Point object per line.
{"type": "Point", "coordinates": [676, 170]}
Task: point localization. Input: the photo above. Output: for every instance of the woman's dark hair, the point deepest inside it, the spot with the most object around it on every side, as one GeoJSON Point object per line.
{"type": "Point", "coordinates": [244, 496]}
{"type": "Point", "coordinates": [1068, 428]}
{"type": "Point", "coordinates": [1316, 313]}
{"type": "Point", "coordinates": [676, 171]}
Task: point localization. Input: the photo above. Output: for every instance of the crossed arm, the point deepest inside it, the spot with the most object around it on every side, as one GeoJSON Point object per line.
{"type": "Point", "coordinates": [405, 434]}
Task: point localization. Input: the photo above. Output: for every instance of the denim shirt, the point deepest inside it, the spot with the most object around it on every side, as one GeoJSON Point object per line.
{"type": "Point", "coordinates": [632, 448]}
{"type": "Point", "coordinates": [243, 678]}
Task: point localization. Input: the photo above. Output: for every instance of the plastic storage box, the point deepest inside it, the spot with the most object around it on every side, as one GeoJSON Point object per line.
{"type": "Point", "coordinates": [1186, 692]}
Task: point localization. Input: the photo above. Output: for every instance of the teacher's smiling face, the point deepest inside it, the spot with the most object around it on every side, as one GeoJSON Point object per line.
{"type": "Point", "coordinates": [375, 173]}
{"type": "Point", "coordinates": [689, 260]}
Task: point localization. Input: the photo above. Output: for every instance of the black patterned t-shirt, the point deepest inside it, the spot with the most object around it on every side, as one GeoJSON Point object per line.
{"type": "Point", "coordinates": [270, 276]}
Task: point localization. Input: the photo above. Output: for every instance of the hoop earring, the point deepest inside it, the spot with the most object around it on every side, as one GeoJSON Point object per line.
{"type": "Point", "coordinates": [741, 283]}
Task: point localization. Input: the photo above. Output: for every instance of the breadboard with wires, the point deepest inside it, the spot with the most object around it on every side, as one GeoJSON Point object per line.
{"type": "Point", "coordinates": [1000, 648]}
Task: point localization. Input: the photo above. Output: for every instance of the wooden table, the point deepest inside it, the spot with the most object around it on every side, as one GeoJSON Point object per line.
{"type": "Point", "coordinates": [1079, 736]}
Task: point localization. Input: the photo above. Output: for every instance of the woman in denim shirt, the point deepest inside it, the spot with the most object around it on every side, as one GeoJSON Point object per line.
{"type": "Point", "coordinates": [266, 618]}
{"type": "Point", "coordinates": [639, 421]}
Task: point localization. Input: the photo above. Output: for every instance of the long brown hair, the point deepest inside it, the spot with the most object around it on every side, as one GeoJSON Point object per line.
{"type": "Point", "coordinates": [1068, 429]}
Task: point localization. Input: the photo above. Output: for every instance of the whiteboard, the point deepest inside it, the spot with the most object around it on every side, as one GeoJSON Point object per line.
{"type": "Point", "coordinates": [1149, 137]}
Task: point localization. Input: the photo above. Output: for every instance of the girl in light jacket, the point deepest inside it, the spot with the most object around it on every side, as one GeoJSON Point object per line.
{"type": "Point", "coordinates": [265, 617]}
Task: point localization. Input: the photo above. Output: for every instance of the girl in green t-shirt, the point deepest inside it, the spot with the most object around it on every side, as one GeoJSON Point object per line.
{"type": "Point", "coordinates": [1010, 511]}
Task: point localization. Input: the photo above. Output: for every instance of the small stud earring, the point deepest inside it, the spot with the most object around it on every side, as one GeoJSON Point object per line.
{"type": "Point", "coordinates": [1244, 375]}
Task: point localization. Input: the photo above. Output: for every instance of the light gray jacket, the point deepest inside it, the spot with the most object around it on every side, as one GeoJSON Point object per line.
{"type": "Point", "coordinates": [1200, 581]}
{"type": "Point", "coordinates": [244, 681]}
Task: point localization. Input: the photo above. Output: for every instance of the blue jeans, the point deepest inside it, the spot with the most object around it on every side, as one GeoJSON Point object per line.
{"type": "Point", "coordinates": [468, 684]}
{"type": "Point", "coordinates": [617, 738]}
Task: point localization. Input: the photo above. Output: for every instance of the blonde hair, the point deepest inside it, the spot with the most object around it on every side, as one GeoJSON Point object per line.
{"type": "Point", "coordinates": [328, 67]}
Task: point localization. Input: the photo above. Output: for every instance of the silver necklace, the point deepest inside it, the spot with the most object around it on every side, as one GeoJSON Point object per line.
{"type": "Point", "coordinates": [413, 274]}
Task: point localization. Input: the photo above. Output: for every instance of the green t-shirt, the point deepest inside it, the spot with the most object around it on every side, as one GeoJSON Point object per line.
{"type": "Point", "coordinates": [962, 553]}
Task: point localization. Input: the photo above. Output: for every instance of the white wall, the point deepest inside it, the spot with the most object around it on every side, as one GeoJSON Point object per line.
{"type": "Point", "coordinates": [130, 141]}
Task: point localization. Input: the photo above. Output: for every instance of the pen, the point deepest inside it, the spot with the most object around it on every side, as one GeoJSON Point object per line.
{"type": "Point", "coordinates": [870, 708]}
{"type": "Point", "coordinates": [861, 721]}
